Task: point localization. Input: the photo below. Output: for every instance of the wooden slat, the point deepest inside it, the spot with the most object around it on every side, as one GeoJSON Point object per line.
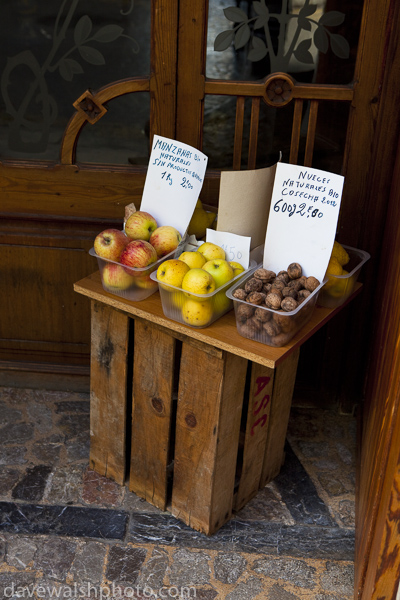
{"type": "Point", "coordinates": [153, 373]}
{"type": "Point", "coordinates": [108, 396]}
{"type": "Point", "coordinates": [260, 394]}
{"type": "Point", "coordinates": [312, 126]}
{"type": "Point", "coordinates": [207, 434]}
{"type": "Point", "coordinates": [296, 130]}
{"type": "Point", "coordinates": [255, 117]}
{"type": "Point", "coordinates": [237, 146]}
{"type": "Point", "coordinates": [306, 91]}
{"type": "Point", "coordinates": [284, 380]}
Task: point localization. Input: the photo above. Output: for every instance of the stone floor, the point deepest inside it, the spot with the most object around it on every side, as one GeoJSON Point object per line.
{"type": "Point", "coordinates": [67, 532]}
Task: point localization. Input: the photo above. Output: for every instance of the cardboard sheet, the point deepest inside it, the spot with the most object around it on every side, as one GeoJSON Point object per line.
{"type": "Point", "coordinates": [244, 201]}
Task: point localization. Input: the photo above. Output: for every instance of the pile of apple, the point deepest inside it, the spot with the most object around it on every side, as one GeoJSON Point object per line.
{"type": "Point", "coordinates": [199, 273]}
{"type": "Point", "coordinates": [141, 244]}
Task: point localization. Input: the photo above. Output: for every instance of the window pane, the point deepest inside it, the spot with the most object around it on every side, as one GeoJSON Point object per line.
{"type": "Point", "coordinates": [51, 51]}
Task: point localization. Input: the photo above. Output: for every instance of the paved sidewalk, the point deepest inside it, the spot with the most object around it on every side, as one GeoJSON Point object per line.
{"type": "Point", "coordinates": [66, 531]}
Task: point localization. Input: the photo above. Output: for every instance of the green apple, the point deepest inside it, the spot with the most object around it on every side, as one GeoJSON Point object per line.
{"type": "Point", "coordinates": [197, 314]}
{"type": "Point", "coordinates": [211, 251]}
{"type": "Point", "coordinates": [172, 272]}
{"type": "Point", "coordinates": [198, 281]}
{"type": "Point", "coordinates": [195, 260]}
{"type": "Point", "coordinates": [237, 268]}
{"type": "Point", "coordinates": [220, 269]}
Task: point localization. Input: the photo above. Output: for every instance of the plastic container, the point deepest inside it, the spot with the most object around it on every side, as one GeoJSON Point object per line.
{"type": "Point", "coordinates": [338, 288]}
{"type": "Point", "coordinates": [131, 283]}
{"type": "Point", "coordinates": [268, 326]}
{"type": "Point", "coordinates": [196, 310]}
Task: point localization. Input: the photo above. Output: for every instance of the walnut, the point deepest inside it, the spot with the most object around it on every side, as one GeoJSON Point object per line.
{"type": "Point", "coordinates": [281, 339]}
{"type": "Point", "coordinates": [264, 275]}
{"type": "Point", "coordinates": [294, 271]}
{"type": "Point", "coordinates": [262, 315]}
{"type": "Point", "coordinates": [278, 284]}
{"type": "Point", "coordinates": [253, 285]}
{"type": "Point", "coordinates": [267, 287]}
{"type": "Point", "coordinates": [255, 324]}
{"type": "Point", "coordinates": [288, 304]}
{"type": "Point", "coordinates": [311, 284]}
{"type": "Point", "coordinates": [255, 298]}
{"type": "Point", "coordinates": [240, 294]}
{"type": "Point", "coordinates": [244, 312]}
{"type": "Point", "coordinates": [296, 284]}
{"type": "Point", "coordinates": [303, 294]}
{"type": "Point", "coordinates": [285, 322]}
{"type": "Point", "coordinates": [303, 280]}
{"type": "Point", "coordinates": [290, 291]}
{"type": "Point", "coordinates": [271, 328]}
{"type": "Point", "coordinates": [283, 276]}
{"type": "Point", "coordinates": [273, 300]}
{"type": "Point", "coordinates": [246, 330]}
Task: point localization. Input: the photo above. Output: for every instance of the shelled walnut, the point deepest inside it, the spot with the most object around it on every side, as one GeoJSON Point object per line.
{"type": "Point", "coordinates": [267, 298]}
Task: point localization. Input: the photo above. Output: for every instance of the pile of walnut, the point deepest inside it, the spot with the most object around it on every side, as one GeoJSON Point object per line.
{"type": "Point", "coordinates": [282, 292]}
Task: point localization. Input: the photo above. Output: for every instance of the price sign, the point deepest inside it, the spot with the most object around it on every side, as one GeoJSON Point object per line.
{"type": "Point", "coordinates": [302, 219]}
{"type": "Point", "coordinates": [237, 247]}
{"type": "Point", "coordinates": [174, 180]}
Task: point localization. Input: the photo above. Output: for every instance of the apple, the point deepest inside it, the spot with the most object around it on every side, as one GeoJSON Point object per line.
{"type": "Point", "coordinates": [220, 269]}
{"type": "Point", "coordinates": [110, 243]}
{"type": "Point", "coordinates": [211, 251]}
{"type": "Point", "coordinates": [197, 314]}
{"type": "Point", "coordinates": [116, 278]}
{"type": "Point", "coordinates": [140, 225]}
{"type": "Point", "coordinates": [195, 260]}
{"type": "Point", "coordinates": [237, 268]}
{"type": "Point", "coordinates": [165, 239]}
{"type": "Point", "coordinates": [138, 254]}
{"type": "Point", "coordinates": [222, 303]}
{"type": "Point", "coordinates": [145, 282]}
{"type": "Point", "coordinates": [172, 272]}
{"type": "Point", "coordinates": [198, 281]}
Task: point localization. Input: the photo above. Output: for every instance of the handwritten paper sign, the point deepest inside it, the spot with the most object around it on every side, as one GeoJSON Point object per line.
{"type": "Point", "coordinates": [173, 183]}
{"type": "Point", "coordinates": [237, 247]}
{"type": "Point", "coordinates": [303, 218]}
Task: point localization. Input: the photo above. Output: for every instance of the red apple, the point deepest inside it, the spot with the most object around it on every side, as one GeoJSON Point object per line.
{"type": "Point", "coordinates": [165, 239]}
{"type": "Point", "coordinates": [140, 225]}
{"type": "Point", "coordinates": [110, 243]}
{"type": "Point", "coordinates": [138, 254]}
{"type": "Point", "coordinates": [115, 277]}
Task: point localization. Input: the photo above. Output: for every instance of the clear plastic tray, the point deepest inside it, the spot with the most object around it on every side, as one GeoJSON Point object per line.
{"type": "Point", "coordinates": [271, 327]}
{"type": "Point", "coordinates": [131, 283]}
{"type": "Point", "coordinates": [338, 288]}
{"type": "Point", "coordinates": [196, 310]}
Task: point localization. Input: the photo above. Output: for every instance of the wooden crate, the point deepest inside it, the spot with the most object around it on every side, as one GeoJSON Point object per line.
{"type": "Point", "coordinates": [194, 421]}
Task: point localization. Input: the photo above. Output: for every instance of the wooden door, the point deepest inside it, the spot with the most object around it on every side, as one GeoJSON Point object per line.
{"type": "Point", "coordinates": [83, 87]}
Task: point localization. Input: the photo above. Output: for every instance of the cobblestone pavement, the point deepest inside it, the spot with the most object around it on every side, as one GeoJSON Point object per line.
{"type": "Point", "coordinates": [67, 532]}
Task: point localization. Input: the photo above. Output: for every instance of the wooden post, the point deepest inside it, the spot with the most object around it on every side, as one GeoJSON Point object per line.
{"type": "Point", "coordinates": [108, 391]}
{"type": "Point", "coordinates": [284, 380]}
{"type": "Point", "coordinates": [255, 437]}
{"type": "Point", "coordinates": [209, 409]}
{"type": "Point", "coordinates": [153, 374]}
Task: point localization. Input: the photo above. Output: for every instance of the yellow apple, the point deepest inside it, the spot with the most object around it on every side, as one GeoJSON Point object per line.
{"type": "Point", "coordinates": [220, 269]}
{"type": "Point", "coordinates": [197, 314]}
{"type": "Point", "coordinates": [211, 251]}
{"type": "Point", "coordinates": [198, 281]}
{"type": "Point", "coordinates": [237, 268]}
{"type": "Point", "coordinates": [222, 303]}
{"type": "Point", "coordinates": [172, 272]}
{"type": "Point", "coordinates": [195, 260]}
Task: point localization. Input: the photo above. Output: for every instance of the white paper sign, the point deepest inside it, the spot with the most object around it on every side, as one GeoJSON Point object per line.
{"type": "Point", "coordinates": [173, 183]}
{"type": "Point", "coordinates": [303, 219]}
{"type": "Point", "coordinates": [237, 247]}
